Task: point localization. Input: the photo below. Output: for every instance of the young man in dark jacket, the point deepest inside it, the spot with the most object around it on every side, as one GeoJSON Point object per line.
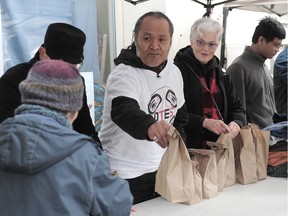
{"type": "Point", "coordinates": [250, 75]}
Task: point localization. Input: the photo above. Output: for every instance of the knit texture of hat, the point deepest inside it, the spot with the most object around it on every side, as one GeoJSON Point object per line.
{"type": "Point", "coordinates": [66, 42]}
{"type": "Point", "coordinates": [54, 84]}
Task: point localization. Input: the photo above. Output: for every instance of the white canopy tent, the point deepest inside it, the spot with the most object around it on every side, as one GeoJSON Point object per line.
{"type": "Point", "coordinates": [279, 7]}
{"type": "Point", "coordinates": [276, 7]}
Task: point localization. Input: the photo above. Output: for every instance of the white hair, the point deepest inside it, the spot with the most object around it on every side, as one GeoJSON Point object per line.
{"type": "Point", "coordinates": [204, 25]}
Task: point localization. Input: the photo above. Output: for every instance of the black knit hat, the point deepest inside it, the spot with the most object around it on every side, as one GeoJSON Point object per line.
{"type": "Point", "coordinates": [66, 42]}
{"type": "Point", "coordinates": [54, 84]}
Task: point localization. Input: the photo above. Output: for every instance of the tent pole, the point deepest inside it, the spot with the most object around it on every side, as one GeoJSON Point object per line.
{"type": "Point", "coordinates": [223, 59]}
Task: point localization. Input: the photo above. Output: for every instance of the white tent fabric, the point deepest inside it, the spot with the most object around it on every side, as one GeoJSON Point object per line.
{"type": "Point", "coordinates": [278, 7]}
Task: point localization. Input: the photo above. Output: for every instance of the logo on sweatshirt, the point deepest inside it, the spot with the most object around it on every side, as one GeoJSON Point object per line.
{"type": "Point", "coordinates": [163, 104]}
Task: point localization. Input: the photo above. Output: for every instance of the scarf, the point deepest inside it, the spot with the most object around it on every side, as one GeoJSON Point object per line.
{"type": "Point", "coordinates": [211, 92]}
{"type": "Point", "coordinates": [60, 117]}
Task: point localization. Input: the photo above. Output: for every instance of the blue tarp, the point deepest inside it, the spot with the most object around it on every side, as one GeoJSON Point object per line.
{"type": "Point", "coordinates": [24, 24]}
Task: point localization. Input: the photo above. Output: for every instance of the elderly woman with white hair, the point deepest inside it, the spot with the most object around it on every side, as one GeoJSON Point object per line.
{"type": "Point", "coordinates": [212, 103]}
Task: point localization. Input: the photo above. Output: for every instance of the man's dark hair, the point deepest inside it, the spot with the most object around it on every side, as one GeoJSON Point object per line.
{"type": "Point", "coordinates": [269, 28]}
{"type": "Point", "coordinates": [156, 14]}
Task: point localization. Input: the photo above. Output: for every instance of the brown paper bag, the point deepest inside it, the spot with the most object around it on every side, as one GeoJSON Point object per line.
{"type": "Point", "coordinates": [224, 151]}
{"type": "Point", "coordinates": [245, 157]}
{"type": "Point", "coordinates": [261, 139]}
{"type": "Point", "coordinates": [220, 152]}
{"type": "Point", "coordinates": [208, 170]}
{"type": "Point", "coordinates": [198, 196]}
{"type": "Point", "coordinates": [230, 169]}
{"type": "Point", "coordinates": [174, 179]}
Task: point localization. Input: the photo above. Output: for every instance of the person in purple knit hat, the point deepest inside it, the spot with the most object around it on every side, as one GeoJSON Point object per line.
{"type": "Point", "coordinates": [46, 167]}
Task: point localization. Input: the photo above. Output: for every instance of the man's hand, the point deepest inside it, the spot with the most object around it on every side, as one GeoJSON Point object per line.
{"type": "Point", "coordinates": [158, 133]}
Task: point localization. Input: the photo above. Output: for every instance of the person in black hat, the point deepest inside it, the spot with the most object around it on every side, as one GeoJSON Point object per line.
{"type": "Point", "coordinates": [66, 42]}
{"type": "Point", "coordinates": [62, 41]}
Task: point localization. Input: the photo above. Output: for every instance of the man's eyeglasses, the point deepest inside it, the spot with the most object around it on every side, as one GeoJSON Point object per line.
{"type": "Point", "coordinates": [277, 45]}
{"type": "Point", "coordinates": [201, 43]}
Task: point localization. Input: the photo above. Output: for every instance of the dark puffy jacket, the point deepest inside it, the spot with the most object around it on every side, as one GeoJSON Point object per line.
{"type": "Point", "coordinates": [230, 108]}
{"type": "Point", "coordinates": [10, 98]}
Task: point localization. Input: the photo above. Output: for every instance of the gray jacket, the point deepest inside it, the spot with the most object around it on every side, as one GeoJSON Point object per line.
{"type": "Point", "coordinates": [254, 86]}
{"type": "Point", "coordinates": [49, 169]}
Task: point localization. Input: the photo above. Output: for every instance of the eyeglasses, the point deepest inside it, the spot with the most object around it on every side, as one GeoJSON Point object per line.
{"type": "Point", "coordinates": [277, 45]}
{"type": "Point", "coordinates": [201, 43]}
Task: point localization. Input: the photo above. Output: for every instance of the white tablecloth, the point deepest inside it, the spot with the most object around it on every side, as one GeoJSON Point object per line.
{"type": "Point", "coordinates": [265, 198]}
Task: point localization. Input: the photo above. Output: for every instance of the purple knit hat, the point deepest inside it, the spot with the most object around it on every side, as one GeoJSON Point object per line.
{"type": "Point", "coordinates": [54, 84]}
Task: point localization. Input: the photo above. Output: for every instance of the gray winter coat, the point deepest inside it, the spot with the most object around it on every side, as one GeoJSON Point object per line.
{"type": "Point", "coordinates": [49, 169]}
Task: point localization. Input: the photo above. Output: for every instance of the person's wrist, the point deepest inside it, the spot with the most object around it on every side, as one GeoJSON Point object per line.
{"type": "Point", "coordinates": [204, 124]}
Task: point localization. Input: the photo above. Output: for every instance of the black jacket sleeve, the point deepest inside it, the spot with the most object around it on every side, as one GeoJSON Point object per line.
{"type": "Point", "coordinates": [10, 97]}
{"type": "Point", "coordinates": [181, 120]}
{"type": "Point", "coordinates": [83, 123]}
{"type": "Point", "coordinates": [126, 113]}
